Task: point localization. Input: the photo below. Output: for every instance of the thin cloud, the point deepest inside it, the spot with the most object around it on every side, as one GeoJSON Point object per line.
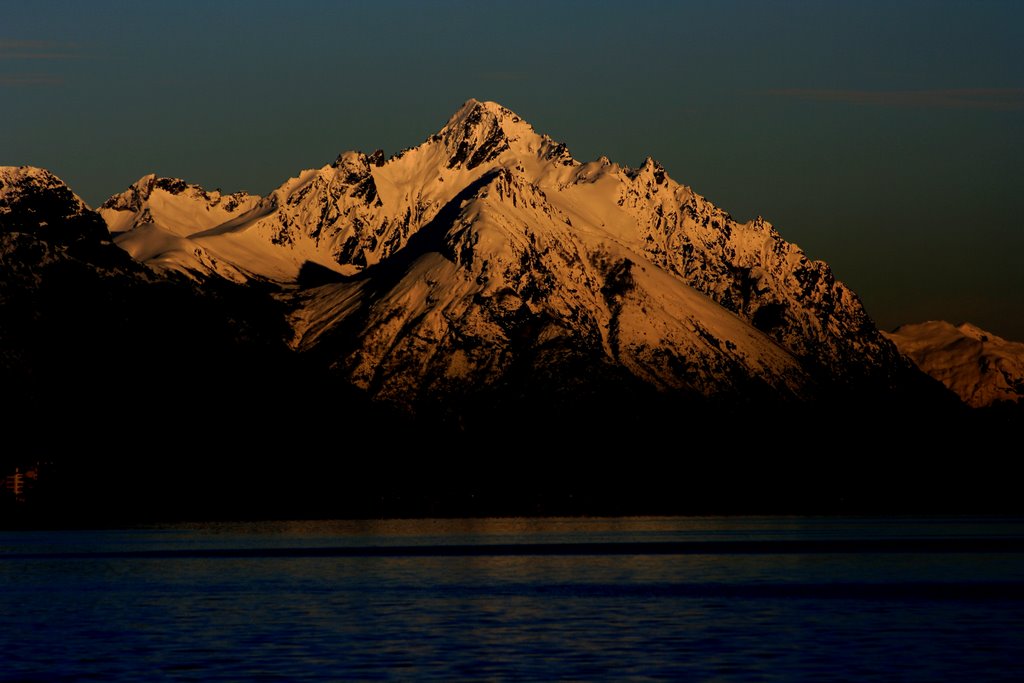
{"type": "Point", "coordinates": [996, 99]}
{"type": "Point", "coordinates": [11, 49]}
{"type": "Point", "coordinates": [28, 80]}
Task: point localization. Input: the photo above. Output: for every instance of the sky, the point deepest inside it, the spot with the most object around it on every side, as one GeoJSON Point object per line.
{"type": "Point", "coordinates": [885, 138]}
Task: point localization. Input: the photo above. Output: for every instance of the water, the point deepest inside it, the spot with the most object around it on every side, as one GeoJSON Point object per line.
{"type": "Point", "coordinates": [306, 601]}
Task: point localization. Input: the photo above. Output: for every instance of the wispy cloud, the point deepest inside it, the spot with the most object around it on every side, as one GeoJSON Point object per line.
{"type": "Point", "coordinates": [12, 49]}
{"type": "Point", "coordinates": [998, 99]}
{"type": "Point", "coordinates": [28, 80]}
{"type": "Point", "coordinates": [19, 50]}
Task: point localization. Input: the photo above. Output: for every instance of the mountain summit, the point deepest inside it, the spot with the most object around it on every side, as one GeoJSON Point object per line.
{"type": "Point", "coordinates": [484, 272]}
{"type": "Point", "coordinates": [487, 258]}
{"type": "Point", "coordinates": [484, 292]}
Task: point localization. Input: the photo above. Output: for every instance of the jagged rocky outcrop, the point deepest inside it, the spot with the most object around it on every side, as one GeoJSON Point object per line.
{"type": "Point", "coordinates": [36, 202]}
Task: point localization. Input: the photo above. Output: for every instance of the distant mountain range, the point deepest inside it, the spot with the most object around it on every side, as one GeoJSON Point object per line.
{"type": "Point", "coordinates": [484, 283]}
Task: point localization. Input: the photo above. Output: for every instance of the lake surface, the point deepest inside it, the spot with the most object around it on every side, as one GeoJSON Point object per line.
{"type": "Point", "coordinates": [763, 599]}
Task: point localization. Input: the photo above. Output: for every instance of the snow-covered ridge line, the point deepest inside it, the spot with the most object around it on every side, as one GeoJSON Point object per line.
{"type": "Point", "coordinates": [489, 243]}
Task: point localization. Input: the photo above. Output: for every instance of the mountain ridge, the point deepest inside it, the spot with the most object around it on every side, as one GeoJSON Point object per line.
{"type": "Point", "coordinates": [485, 293]}
{"type": "Point", "coordinates": [358, 212]}
{"type": "Point", "coordinates": [982, 368]}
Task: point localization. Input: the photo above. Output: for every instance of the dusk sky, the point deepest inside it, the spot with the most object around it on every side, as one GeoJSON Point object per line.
{"type": "Point", "coordinates": [883, 137]}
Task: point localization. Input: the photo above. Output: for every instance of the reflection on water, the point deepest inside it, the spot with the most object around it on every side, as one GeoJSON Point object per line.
{"type": "Point", "coordinates": [917, 616]}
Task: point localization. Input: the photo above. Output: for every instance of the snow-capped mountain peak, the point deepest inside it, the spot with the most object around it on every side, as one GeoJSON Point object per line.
{"type": "Point", "coordinates": [480, 132]}
{"type": "Point", "coordinates": [179, 207]}
{"type": "Point", "coordinates": [161, 221]}
{"type": "Point", "coordinates": [523, 231]}
{"type": "Point", "coordinates": [980, 367]}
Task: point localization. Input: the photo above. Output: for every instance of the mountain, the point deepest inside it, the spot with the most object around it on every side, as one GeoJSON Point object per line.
{"type": "Point", "coordinates": [99, 349]}
{"type": "Point", "coordinates": [33, 200]}
{"type": "Point", "coordinates": [470, 326]}
{"type": "Point", "coordinates": [488, 259]}
{"type": "Point", "coordinates": [980, 367]}
{"type": "Point", "coordinates": [161, 222]}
